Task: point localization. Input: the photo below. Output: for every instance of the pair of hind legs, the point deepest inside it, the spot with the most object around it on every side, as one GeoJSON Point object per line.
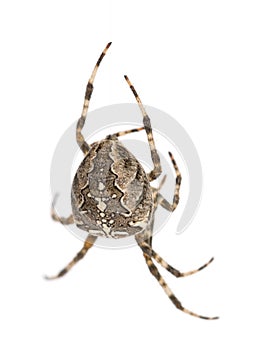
{"type": "Point", "coordinates": [144, 240]}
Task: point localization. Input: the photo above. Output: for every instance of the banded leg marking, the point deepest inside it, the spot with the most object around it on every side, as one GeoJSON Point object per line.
{"type": "Point", "coordinates": [161, 200]}
{"type": "Point", "coordinates": [155, 272]}
{"type": "Point", "coordinates": [122, 133]}
{"type": "Point", "coordinates": [147, 249]}
{"type": "Point", "coordinates": [148, 128]}
{"type": "Point", "coordinates": [89, 90]}
{"type": "Point", "coordinates": [65, 221]}
{"type": "Point", "coordinates": [87, 245]}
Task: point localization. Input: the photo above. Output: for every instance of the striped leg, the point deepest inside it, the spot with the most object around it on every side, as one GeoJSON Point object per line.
{"type": "Point", "coordinates": [144, 240]}
{"type": "Point", "coordinates": [87, 245]}
{"type": "Point", "coordinates": [65, 221]}
{"type": "Point", "coordinates": [122, 133]}
{"type": "Point", "coordinates": [161, 200]}
{"type": "Point", "coordinates": [154, 271]}
{"type": "Point", "coordinates": [147, 250]}
{"type": "Point", "coordinates": [89, 89]}
{"type": "Point", "coordinates": [147, 124]}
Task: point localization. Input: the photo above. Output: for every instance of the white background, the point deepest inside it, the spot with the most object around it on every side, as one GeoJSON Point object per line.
{"type": "Point", "coordinates": [193, 59]}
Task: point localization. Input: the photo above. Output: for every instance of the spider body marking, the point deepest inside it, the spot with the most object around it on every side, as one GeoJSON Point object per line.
{"type": "Point", "coordinates": [111, 194]}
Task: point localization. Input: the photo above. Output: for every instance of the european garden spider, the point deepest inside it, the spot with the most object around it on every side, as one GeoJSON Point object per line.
{"type": "Point", "coordinates": [112, 197]}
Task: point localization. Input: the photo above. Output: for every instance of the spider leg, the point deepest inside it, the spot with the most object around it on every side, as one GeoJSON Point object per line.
{"type": "Point", "coordinates": [87, 245]}
{"type": "Point", "coordinates": [149, 232]}
{"type": "Point", "coordinates": [147, 249]}
{"type": "Point", "coordinates": [145, 241]}
{"type": "Point", "coordinates": [122, 133]}
{"type": "Point", "coordinates": [148, 128]}
{"type": "Point", "coordinates": [89, 89]}
{"type": "Point", "coordinates": [154, 271]}
{"type": "Point", "coordinates": [65, 221]}
{"type": "Point", "coordinates": [161, 200]}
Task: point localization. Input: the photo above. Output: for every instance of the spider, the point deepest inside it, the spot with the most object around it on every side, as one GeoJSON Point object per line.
{"type": "Point", "coordinates": [112, 197]}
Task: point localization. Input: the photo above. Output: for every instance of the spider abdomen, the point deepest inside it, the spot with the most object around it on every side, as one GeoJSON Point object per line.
{"type": "Point", "coordinates": [111, 195]}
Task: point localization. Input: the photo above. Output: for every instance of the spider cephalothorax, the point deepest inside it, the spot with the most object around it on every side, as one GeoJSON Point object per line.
{"type": "Point", "coordinates": [112, 197]}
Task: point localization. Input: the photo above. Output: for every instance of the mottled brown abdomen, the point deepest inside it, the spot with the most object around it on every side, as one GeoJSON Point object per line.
{"type": "Point", "coordinates": [111, 195]}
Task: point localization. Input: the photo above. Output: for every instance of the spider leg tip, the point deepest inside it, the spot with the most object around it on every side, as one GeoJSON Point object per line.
{"type": "Point", "coordinates": [210, 261]}
{"type": "Point", "coordinates": [108, 45]}
{"type": "Point", "coordinates": [48, 278]}
{"type": "Point", "coordinates": [208, 318]}
{"type": "Point", "coordinates": [128, 80]}
{"type": "Point", "coordinates": [215, 318]}
{"type": "Point", "coordinates": [55, 199]}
